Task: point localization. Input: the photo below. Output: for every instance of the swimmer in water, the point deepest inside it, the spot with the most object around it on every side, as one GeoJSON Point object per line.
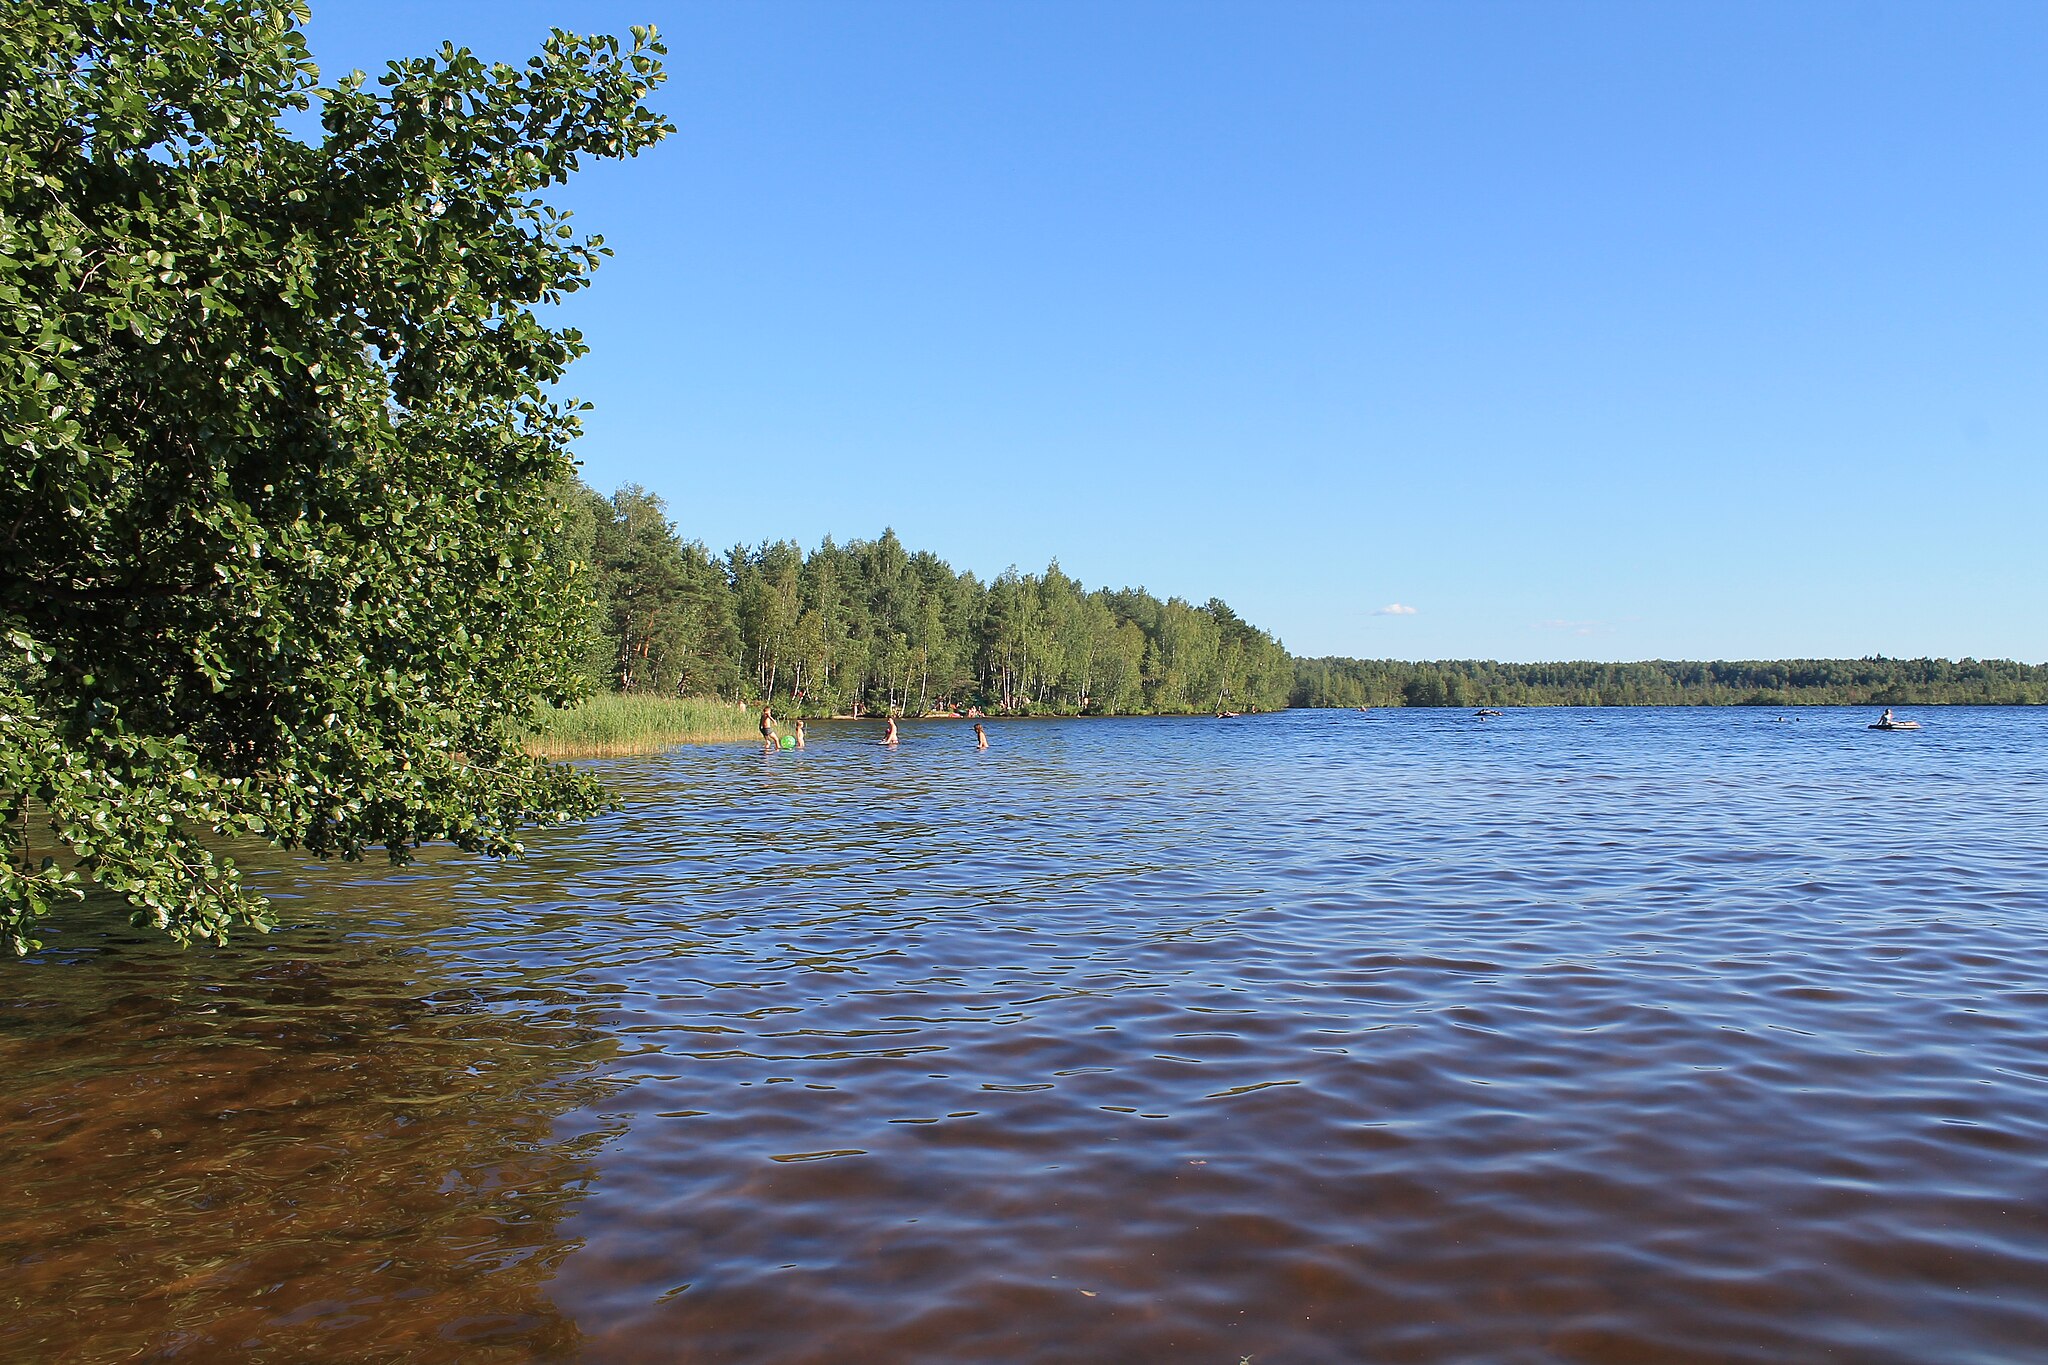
{"type": "Point", "coordinates": [980, 736]}
{"type": "Point", "coordinates": [799, 734]}
{"type": "Point", "coordinates": [890, 738]}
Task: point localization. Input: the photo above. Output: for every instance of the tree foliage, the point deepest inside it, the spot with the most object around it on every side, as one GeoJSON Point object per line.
{"type": "Point", "coordinates": [279, 537]}
{"type": "Point", "coordinates": [872, 626]}
{"type": "Point", "coordinates": [1779, 682]}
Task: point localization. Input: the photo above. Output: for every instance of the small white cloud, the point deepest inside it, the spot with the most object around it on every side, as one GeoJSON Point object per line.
{"type": "Point", "coordinates": [1395, 609]}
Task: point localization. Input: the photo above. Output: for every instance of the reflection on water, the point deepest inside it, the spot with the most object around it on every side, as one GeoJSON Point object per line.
{"type": "Point", "coordinates": [1313, 1038]}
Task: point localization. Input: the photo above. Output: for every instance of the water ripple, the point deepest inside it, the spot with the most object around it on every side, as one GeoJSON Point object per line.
{"type": "Point", "coordinates": [1322, 1037]}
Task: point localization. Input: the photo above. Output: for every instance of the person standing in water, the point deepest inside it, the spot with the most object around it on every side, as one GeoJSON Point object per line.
{"type": "Point", "coordinates": [799, 733]}
{"type": "Point", "coordinates": [890, 738]}
{"type": "Point", "coordinates": [768, 726]}
{"type": "Point", "coordinates": [980, 736]}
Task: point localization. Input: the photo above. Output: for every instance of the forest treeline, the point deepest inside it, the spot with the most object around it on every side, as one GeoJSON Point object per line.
{"type": "Point", "coordinates": [1780, 682]}
{"type": "Point", "coordinates": [871, 627]}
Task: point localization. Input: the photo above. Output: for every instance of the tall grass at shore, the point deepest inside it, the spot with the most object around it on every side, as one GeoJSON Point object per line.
{"type": "Point", "coordinates": [612, 725]}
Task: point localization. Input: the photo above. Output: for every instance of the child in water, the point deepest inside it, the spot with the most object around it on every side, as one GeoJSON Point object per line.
{"type": "Point", "coordinates": [799, 734]}
{"type": "Point", "coordinates": [768, 727]}
{"type": "Point", "coordinates": [980, 736]}
{"type": "Point", "coordinates": [890, 738]}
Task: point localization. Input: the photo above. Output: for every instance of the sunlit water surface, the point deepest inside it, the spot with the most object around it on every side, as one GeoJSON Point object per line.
{"type": "Point", "coordinates": [1322, 1037]}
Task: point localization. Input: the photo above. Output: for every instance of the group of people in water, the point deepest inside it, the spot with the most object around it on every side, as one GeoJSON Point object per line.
{"type": "Point", "coordinates": [769, 739]}
{"type": "Point", "coordinates": [795, 739]}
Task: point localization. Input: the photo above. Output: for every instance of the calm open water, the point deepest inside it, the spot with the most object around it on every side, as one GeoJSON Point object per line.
{"type": "Point", "coordinates": [1324, 1037]}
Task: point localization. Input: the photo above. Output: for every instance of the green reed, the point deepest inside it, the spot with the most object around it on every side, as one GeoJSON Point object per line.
{"type": "Point", "coordinates": [613, 724]}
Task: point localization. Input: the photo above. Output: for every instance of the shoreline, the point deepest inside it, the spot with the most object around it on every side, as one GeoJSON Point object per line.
{"type": "Point", "coordinates": [739, 723]}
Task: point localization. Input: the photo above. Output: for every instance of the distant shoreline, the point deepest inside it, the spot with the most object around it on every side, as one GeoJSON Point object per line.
{"type": "Point", "coordinates": [1334, 682]}
{"type": "Point", "coordinates": [1775, 704]}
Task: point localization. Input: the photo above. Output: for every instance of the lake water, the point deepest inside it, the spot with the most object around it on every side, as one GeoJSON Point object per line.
{"type": "Point", "coordinates": [1572, 1035]}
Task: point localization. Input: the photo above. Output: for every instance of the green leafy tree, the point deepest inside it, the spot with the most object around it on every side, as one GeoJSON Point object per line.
{"type": "Point", "coordinates": [575, 552]}
{"type": "Point", "coordinates": [277, 460]}
{"type": "Point", "coordinates": [873, 626]}
{"type": "Point", "coordinates": [643, 585]}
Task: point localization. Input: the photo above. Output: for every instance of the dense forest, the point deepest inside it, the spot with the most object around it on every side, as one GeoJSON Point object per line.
{"type": "Point", "coordinates": [871, 627]}
{"type": "Point", "coordinates": [1782, 682]}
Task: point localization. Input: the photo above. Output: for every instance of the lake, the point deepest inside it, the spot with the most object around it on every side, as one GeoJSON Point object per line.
{"type": "Point", "coordinates": [1571, 1035]}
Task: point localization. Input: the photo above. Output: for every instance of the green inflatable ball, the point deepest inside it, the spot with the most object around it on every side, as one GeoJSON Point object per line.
{"type": "Point", "coordinates": [789, 741]}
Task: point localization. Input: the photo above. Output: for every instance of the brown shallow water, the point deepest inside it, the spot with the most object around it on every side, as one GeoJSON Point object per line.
{"type": "Point", "coordinates": [1568, 1036]}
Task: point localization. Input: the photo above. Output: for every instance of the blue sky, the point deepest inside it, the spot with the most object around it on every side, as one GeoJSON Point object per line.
{"type": "Point", "coordinates": [1607, 331]}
